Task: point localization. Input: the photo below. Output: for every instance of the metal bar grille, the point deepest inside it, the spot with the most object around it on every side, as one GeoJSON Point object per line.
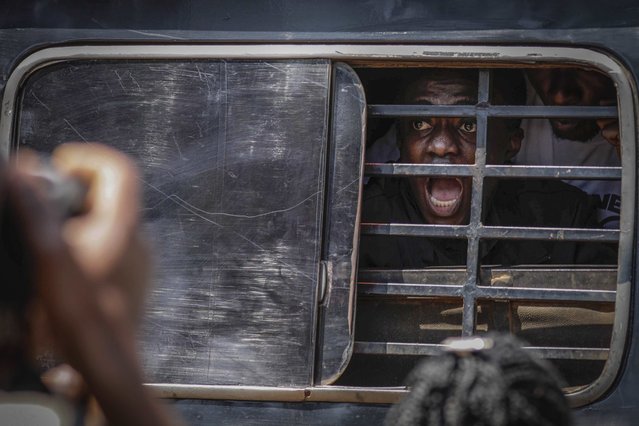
{"type": "Point", "coordinates": [468, 285]}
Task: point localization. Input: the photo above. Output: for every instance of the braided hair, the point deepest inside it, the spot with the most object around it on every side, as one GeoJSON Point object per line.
{"type": "Point", "coordinates": [499, 386]}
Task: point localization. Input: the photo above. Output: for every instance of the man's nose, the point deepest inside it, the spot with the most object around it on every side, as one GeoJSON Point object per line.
{"type": "Point", "coordinates": [564, 90]}
{"type": "Point", "coordinates": [443, 144]}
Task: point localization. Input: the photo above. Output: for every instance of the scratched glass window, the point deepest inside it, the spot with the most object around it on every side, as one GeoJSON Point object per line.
{"type": "Point", "coordinates": [232, 160]}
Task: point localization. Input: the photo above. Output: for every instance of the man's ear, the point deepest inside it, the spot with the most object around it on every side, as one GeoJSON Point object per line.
{"type": "Point", "coordinates": [514, 144]}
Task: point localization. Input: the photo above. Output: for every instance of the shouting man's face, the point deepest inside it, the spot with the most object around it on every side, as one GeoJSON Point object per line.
{"type": "Point", "coordinates": [447, 140]}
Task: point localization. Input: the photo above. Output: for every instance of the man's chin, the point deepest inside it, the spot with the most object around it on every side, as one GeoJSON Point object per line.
{"type": "Point", "coordinates": [435, 219]}
{"type": "Point", "coordinates": [575, 130]}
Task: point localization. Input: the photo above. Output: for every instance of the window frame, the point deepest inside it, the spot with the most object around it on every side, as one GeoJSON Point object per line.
{"type": "Point", "coordinates": [433, 55]}
{"type": "Point", "coordinates": [465, 284]}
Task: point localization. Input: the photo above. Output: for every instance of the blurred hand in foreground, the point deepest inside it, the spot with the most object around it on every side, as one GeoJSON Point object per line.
{"type": "Point", "coordinates": [89, 274]}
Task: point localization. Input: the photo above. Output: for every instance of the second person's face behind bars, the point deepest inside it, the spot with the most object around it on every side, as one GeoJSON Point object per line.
{"type": "Point", "coordinates": [448, 140]}
{"type": "Point", "coordinates": [573, 87]}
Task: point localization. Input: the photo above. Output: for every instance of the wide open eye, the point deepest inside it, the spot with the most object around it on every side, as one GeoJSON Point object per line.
{"type": "Point", "coordinates": [420, 125]}
{"type": "Point", "coordinates": [468, 126]}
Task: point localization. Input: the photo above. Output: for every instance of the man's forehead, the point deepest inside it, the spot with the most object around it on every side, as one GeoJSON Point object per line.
{"type": "Point", "coordinates": [442, 90]}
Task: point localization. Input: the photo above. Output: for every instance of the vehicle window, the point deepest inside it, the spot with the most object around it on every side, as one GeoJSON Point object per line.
{"type": "Point", "coordinates": [487, 207]}
{"type": "Point", "coordinates": [232, 155]}
{"type": "Point", "coordinates": [489, 200]}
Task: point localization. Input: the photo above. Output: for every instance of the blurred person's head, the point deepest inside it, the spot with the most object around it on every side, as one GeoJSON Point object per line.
{"type": "Point", "coordinates": [573, 87]}
{"type": "Point", "coordinates": [452, 140]}
{"type": "Point", "coordinates": [497, 385]}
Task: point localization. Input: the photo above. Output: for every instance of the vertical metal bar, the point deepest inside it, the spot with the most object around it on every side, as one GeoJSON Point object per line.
{"type": "Point", "coordinates": [484, 87]}
{"type": "Point", "coordinates": [472, 256]}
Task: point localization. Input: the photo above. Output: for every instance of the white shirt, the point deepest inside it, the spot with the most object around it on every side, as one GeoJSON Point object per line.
{"type": "Point", "coordinates": [542, 147]}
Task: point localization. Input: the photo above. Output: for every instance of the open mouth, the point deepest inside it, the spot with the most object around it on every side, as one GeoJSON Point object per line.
{"type": "Point", "coordinates": [564, 124]}
{"type": "Point", "coordinates": [444, 195]}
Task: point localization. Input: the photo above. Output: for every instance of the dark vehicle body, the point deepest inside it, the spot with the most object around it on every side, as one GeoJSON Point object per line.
{"type": "Point", "coordinates": [264, 344]}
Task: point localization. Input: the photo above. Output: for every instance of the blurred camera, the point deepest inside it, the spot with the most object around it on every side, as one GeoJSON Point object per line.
{"type": "Point", "coordinates": [65, 193]}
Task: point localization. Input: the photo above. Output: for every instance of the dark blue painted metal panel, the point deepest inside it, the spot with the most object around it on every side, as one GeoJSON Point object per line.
{"type": "Point", "coordinates": [203, 413]}
{"type": "Point", "coordinates": [313, 16]}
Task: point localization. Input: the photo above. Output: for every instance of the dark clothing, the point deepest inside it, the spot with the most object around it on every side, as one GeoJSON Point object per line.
{"type": "Point", "coordinates": [532, 203]}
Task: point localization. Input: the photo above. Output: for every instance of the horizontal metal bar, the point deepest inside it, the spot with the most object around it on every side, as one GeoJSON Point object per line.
{"type": "Point", "coordinates": [405, 169]}
{"type": "Point", "coordinates": [574, 277]}
{"type": "Point", "coordinates": [585, 354]}
{"type": "Point", "coordinates": [490, 232]}
{"type": "Point", "coordinates": [412, 230]}
{"type": "Point", "coordinates": [404, 289]}
{"type": "Point", "coordinates": [422, 110]}
{"type": "Point", "coordinates": [525, 111]}
{"type": "Point", "coordinates": [510, 293]}
{"type": "Point", "coordinates": [557, 172]}
{"type": "Point", "coordinates": [430, 349]}
{"type": "Point", "coordinates": [484, 292]}
{"type": "Point", "coordinates": [502, 111]}
{"type": "Point", "coordinates": [396, 348]}
{"type": "Point", "coordinates": [447, 275]}
{"type": "Point", "coordinates": [388, 395]}
{"type": "Point", "coordinates": [556, 234]}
